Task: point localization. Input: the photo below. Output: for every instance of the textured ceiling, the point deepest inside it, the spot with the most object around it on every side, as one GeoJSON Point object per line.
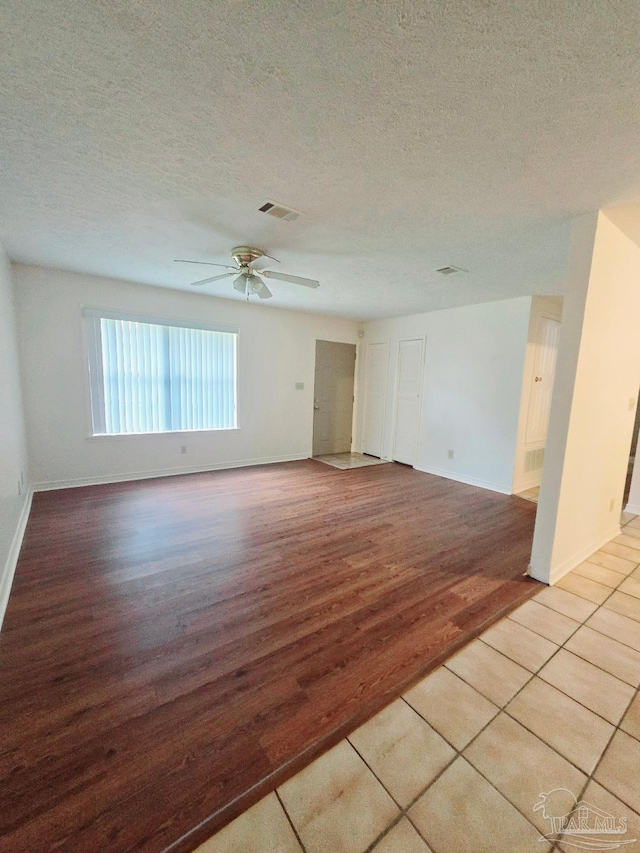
{"type": "Point", "coordinates": [412, 134]}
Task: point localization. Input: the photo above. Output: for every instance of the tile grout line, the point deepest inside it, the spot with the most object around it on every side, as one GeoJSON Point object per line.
{"type": "Point", "coordinates": [405, 809]}
{"type": "Point", "coordinates": [370, 768]}
{"type": "Point", "coordinates": [459, 752]}
{"type": "Point", "coordinates": [598, 566]}
{"type": "Point", "coordinates": [286, 814]}
{"type": "Point", "coordinates": [387, 829]}
{"type": "Point", "coordinates": [581, 624]}
{"type": "Point", "coordinates": [591, 776]}
{"type": "Point", "coordinates": [386, 832]}
{"type": "Point", "coordinates": [502, 710]}
{"type": "Point", "coordinates": [561, 647]}
{"type": "Point", "coordinates": [584, 624]}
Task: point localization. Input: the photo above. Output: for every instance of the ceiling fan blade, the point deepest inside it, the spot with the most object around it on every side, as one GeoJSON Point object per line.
{"type": "Point", "coordinates": [206, 263]}
{"type": "Point", "coordinates": [240, 283]}
{"type": "Point", "coordinates": [258, 286]}
{"type": "Point", "coordinates": [294, 279]}
{"type": "Point", "coordinates": [213, 278]}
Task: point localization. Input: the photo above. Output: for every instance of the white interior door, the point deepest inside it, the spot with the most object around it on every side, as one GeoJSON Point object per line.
{"type": "Point", "coordinates": [333, 397]}
{"type": "Point", "coordinates": [408, 396]}
{"type": "Point", "coordinates": [544, 369]}
{"type": "Point", "coordinates": [375, 397]}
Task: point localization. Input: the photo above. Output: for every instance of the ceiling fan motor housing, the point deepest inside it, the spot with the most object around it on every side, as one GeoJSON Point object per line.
{"type": "Point", "coordinates": [245, 255]}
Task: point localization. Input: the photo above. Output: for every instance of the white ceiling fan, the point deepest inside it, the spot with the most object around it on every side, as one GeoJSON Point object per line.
{"type": "Point", "coordinates": [247, 280]}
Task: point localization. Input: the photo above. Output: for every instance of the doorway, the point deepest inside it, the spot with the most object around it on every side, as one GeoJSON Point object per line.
{"type": "Point", "coordinates": [333, 397]}
{"type": "Point", "coordinates": [632, 455]}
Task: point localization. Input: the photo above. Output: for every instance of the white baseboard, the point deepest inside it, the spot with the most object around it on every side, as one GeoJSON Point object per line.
{"type": "Point", "coordinates": [633, 508]}
{"type": "Point", "coordinates": [9, 570]}
{"type": "Point", "coordinates": [558, 572]}
{"type": "Point", "coordinates": [470, 481]}
{"type": "Point", "coordinates": [162, 472]}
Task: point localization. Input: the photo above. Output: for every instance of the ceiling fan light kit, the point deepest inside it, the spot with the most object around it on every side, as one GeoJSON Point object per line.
{"type": "Point", "coordinates": [247, 280]}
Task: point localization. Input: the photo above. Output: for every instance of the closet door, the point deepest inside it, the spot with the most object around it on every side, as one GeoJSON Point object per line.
{"type": "Point", "coordinates": [544, 369]}
{"type": "Point", "coordinates": [375, 398]}
{"type": "Point", "coordinates": [408, 399]}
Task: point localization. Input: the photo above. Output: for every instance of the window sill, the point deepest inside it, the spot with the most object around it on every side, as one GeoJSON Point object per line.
{"type": "Point", "coordinates": [119, 436]}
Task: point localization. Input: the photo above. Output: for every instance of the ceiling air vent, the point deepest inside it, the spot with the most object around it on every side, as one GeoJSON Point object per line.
{"type": "Point", "coordinates": [449, 270]}
{"type": "Point", "coordinates": [280, 211]}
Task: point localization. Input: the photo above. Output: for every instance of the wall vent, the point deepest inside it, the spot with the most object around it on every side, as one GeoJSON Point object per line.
{"type": "Point", "coordinates": [280, 211]}
{"type": "Point", "coordinates": [533, 460]}
{"type": "Point", "coordinates": [449, 270]}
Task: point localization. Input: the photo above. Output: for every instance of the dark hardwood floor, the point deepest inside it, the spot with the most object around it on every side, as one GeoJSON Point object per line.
{"type": "Point", "coordinates": [171, 644]}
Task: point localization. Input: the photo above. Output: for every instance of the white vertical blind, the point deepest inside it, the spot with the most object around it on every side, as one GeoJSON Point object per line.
{"type": "Point", "coordinates": [147, 377]}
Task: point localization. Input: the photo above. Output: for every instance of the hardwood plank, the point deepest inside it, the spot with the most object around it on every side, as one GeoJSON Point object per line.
{"type": "Point", "coordinates": [175, 648]}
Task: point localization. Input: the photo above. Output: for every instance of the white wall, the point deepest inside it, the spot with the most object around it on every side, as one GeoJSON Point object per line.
{"type": "Point", "coordinates": [276, 350]}
{"type": "Point", "coordinates": [14, 495]}
{"type": "Point", "coordinates": [593, 408]}
{"type": "Point", "coordinates": [474, 360]}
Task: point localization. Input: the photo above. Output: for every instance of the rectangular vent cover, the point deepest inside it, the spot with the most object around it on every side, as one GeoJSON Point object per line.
{"type": "Point", "coordinates": [280, 211]}
{"type": "Point", "coordinates": [448, 270]}
{"type": "Point", "coordinates": [533, 460]}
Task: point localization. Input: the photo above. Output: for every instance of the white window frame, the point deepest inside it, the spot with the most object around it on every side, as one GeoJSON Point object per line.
{"type": "Point", "coordinates": [95, 386]}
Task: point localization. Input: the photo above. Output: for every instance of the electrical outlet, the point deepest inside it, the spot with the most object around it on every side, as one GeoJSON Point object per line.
{"type": "Point", "coordinates": [450, 454]}
{"type": "Point", "coordinates": [611, 504]}
{"type": "Point", "coordinates": [299, 386]}
{"type": "Point", "coordinates": [183, 448]}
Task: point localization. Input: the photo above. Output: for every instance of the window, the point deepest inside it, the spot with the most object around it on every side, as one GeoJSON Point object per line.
{"type": "Point", "coordinates": [159, 376]}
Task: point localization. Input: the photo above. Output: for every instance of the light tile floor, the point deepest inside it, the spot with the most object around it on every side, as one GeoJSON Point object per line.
{"type": "Point", "coordinates": [539, 713]}
{"type": "Point", "coordinates": [530, 494]}
{"type": "Point", "coordinates": [346, 461]}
